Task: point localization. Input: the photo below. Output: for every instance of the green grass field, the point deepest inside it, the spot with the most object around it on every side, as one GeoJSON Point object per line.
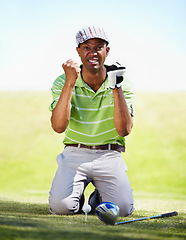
{"type": "Point", "coordinates": [155, 156]}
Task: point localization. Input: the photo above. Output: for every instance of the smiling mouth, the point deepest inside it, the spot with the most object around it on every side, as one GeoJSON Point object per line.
{"type": "Point", "coordinates": [93, 61]}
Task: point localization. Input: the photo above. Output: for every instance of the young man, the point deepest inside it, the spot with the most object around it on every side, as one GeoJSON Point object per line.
{"type": "Point", "coordinates": [95, 111]}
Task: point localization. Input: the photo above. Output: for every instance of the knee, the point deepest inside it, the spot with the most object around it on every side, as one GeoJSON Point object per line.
{"type": "Point", "coordinates": [126, 210]}
{"type": "Point", "coordinates": [65, 206]}
{"type": "Point", "coordinates": [126, 205]}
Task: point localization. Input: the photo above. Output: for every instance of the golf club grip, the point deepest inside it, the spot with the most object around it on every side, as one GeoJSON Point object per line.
{"type": "Point", "coordinates": [171, 214]}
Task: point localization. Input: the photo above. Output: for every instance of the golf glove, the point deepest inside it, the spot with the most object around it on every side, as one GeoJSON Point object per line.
{"type": "Point", "coordinates": [115, 75]}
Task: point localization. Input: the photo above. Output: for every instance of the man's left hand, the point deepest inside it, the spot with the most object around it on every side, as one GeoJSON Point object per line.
{"type": "Point", "coordinates": [115, 75]}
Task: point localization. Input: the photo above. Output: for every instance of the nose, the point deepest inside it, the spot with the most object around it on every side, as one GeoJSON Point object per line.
{"type": "Point", "coordinates": [93, 52]}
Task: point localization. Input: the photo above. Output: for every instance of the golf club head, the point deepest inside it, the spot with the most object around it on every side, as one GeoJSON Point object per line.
{"type": "Point", "coordinates": [107, 212]}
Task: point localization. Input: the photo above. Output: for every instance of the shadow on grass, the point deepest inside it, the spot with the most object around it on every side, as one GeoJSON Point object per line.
{"type": "Point", "coordinates": [19, 207]}
{"type": "Point", "coordinates": [33, 221]}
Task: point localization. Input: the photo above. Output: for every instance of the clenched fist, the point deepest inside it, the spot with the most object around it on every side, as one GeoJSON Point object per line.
{"type": "Point", "coordinates": [115, 75]}
{"type": "Point", "coordinates": [72, 70]}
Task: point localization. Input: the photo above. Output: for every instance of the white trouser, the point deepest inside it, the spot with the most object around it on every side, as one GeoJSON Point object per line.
{"type": "Point", "coordinates": [79, 166]}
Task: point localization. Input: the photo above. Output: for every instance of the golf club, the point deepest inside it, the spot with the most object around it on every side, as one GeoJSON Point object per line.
{"type": "Point", "coordinates": [171, 214]}
{"type": "Point", "coordinates": [107, 212]}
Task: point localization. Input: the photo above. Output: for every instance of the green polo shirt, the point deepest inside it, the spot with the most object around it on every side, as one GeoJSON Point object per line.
{"type": "Point", "coordinates": [92, 113]}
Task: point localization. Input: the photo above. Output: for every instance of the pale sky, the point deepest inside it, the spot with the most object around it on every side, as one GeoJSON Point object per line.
{"type": "Point", "coordinates": [147, 36]}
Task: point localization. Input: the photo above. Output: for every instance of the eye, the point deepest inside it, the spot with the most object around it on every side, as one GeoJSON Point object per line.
{"type": "Point", "coordinates": [99, 48]}
{"type": "Point", "coordinates": [86, 48]}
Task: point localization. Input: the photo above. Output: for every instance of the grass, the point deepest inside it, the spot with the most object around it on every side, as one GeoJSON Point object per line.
{"type": "Point", "coordinates": [33, 221]}
{"type": "Point", "coordinates": [155, 157]}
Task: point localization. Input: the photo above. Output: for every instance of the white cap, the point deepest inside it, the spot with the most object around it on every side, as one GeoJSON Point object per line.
{"type": "Point", "coordinates": [91, 32]}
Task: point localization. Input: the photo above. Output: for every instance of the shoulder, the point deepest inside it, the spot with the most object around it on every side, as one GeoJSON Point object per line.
{"type": "Point", "coordinates": [56, 90]}
{"type": "Point", "coordinates": [127, 86]}
{"type": "Point", "coordinates": [59, 82]}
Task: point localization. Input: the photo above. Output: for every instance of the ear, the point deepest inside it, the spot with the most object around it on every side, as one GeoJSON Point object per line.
{"type": "Point", "coordinates": [107, 50]}
{"type": "Point", "coordinates": [78, 50]}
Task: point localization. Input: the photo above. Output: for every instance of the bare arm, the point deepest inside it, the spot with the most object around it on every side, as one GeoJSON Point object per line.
{"type": "Point", "coordinates": [61, 114]}
{"type": "Point", "coordinates": [122, 118]}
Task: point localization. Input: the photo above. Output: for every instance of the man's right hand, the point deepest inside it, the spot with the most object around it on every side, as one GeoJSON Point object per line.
{"type": "Point", "coordinates": [72, 70]}
{"type": "Point", "coordinates": [61, 113]}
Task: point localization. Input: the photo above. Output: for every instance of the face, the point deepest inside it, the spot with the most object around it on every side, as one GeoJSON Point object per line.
{"type": "Point", "coordinates": [93, 53]}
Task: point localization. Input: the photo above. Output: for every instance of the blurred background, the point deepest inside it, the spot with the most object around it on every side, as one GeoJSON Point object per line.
{"type": "Point", "coordinates": [147, 36]}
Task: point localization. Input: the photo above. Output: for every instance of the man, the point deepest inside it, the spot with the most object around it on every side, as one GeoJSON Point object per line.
{"type": "Point", "coordinates": [95, 112]}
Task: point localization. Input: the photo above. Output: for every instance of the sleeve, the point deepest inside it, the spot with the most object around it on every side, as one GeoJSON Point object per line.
{"type": "Point", "coordinates": [56, 91]}
{"type": "Point", "coordinates": [128, 91]}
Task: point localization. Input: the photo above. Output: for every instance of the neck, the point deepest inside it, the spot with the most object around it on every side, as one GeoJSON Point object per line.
{"type": "Point", "coordinates": [94, 79]}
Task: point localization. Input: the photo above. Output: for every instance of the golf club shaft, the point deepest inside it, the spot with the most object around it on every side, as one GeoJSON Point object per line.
{"type": "Point", "coordinates": [171, 214]}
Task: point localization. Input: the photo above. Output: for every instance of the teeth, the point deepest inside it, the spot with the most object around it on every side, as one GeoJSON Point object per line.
{"type": "Point", "coordinates": [93, 61]}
